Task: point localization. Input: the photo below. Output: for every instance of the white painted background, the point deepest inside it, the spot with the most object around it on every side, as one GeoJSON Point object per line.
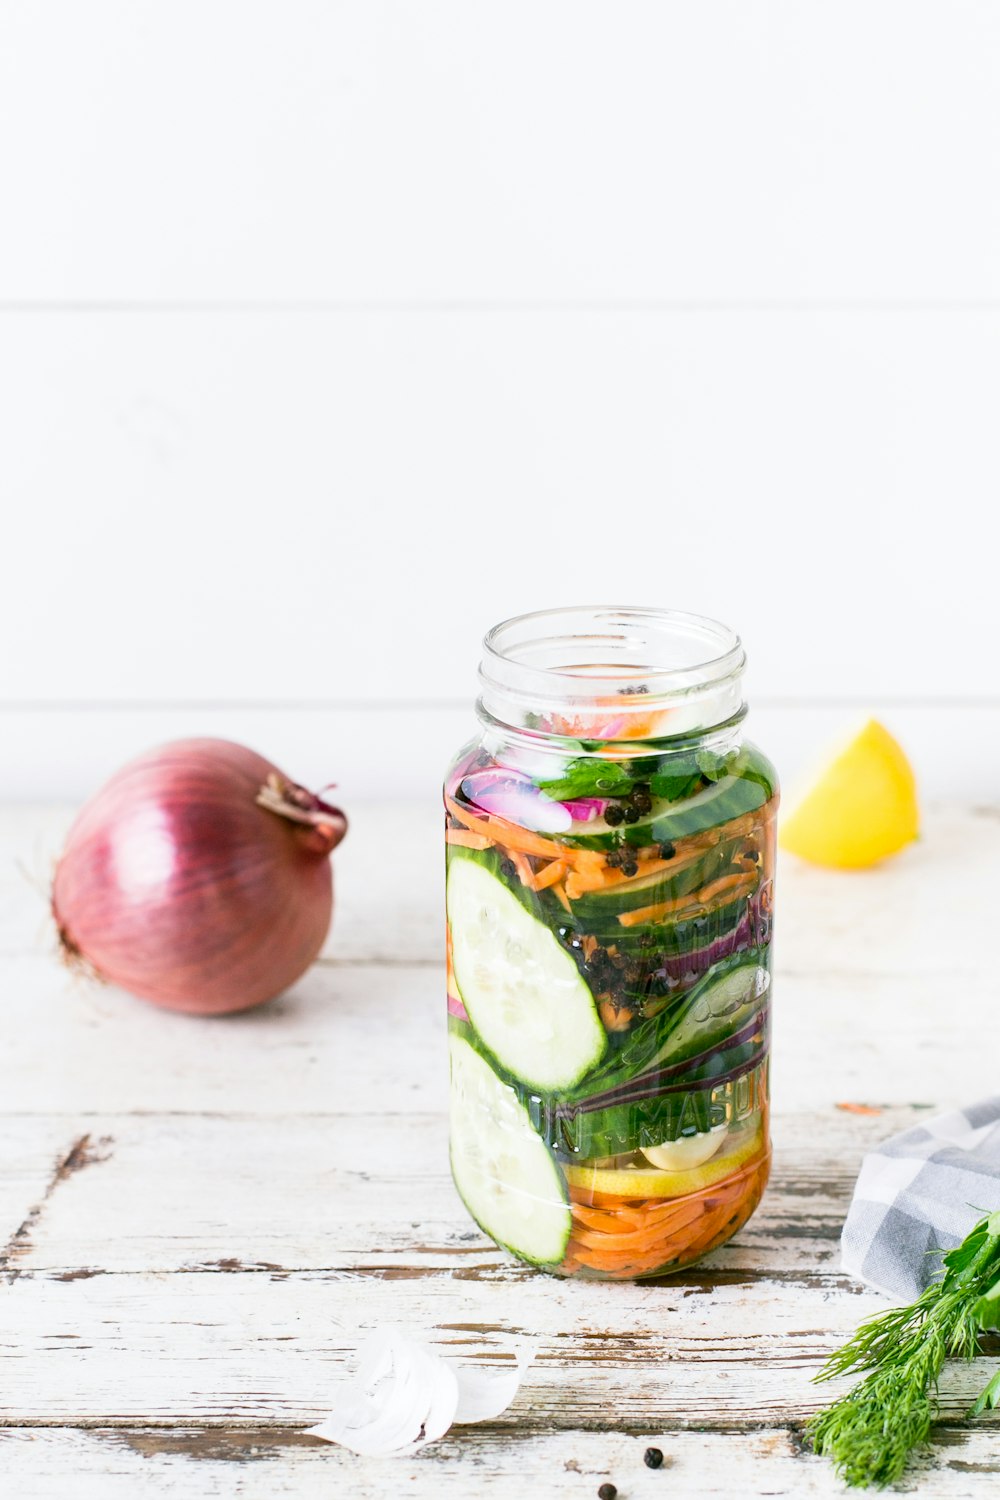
{"type": "Point", "coordinates": [332, 332]}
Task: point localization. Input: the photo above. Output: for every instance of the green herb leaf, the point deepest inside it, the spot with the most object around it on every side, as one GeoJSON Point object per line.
{"type": "Point", "coordinates": [872, 1432]}
{"type": "Point", "coordinates": [590, 777]}
{"type": "Point", "coordinates": [989, 1399]}
{"type": "Point", "coordinates": [675, 788]}
{"type": "Point", "coordinates": [987, 1309]}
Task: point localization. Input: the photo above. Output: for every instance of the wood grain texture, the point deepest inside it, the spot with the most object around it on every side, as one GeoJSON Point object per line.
{"type": "Point", "coordinates": [199, 1220]}
{"type": "Point", "coordinates": [144, 1463]}
{"type": "Point", "coordinates": [366, 1192]}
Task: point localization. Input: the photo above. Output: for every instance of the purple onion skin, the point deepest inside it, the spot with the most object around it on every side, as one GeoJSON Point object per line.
{"type": "Point", "coordinates": [647, 1086]}
{"type": "Point", "coordinates": [683, 969]}
{"type": "Point", "coordinates": [656, 1080]}
{"type": "Point", "coordinates": [515, 797]}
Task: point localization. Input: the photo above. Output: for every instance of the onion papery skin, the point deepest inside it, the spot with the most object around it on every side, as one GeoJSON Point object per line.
{"type": "Point", "coordinates": [176, 885]}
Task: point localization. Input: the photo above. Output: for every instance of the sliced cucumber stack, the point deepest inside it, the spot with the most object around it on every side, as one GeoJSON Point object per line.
{"type": "Point", "coordinates": [506, 1175]}
{"type": "Point", "coordinates": [523, 992]}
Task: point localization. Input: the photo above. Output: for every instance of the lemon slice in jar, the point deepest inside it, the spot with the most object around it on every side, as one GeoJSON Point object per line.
{"type": "Point", "coordinates": [653, 1182]}
{"type": "Point", "coordinates": [860, 809]}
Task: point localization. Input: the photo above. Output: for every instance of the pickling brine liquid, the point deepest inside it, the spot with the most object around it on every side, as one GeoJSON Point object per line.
{"type": "Point", "coordinates": [610, 865]}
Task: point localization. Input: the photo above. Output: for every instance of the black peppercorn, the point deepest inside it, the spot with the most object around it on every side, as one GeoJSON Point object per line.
{"type": "Point", "coordinates": [653, 1458]}
{"type": "Point", "coordinates": [607, 1492]}
{"type": "Point", "coordinates": [642, 802]}
{"type": "Point", "coordinates": [613, 815]}
{"type": "Point", "coordinates": [630, 814]}
{"type": "Point", "coordinates": [614, 859]}
{"type": "Point", "coordinates": [667, 850]}
{"type": "Point", "coordinates": [629, 867]}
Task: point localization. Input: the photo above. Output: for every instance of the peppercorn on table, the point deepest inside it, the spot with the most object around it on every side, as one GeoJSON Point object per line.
{"type": "Point", "coordinates": [201, 1219]}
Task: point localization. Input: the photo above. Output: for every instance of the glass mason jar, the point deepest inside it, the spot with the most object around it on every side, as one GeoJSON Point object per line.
{"type": "Point", "coordinates": [610, 864]}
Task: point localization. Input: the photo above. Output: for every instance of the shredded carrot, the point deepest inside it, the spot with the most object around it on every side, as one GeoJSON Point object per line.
{"type": "Point", "coordinates": [640, 1238]}
{"type": "Point", "coordinates": [659, 911]}
{"type": "Point", "coordinates": [596, 1218]}
{"type": "Point", "coordinates": [615, 1017]}
{"type": "Point", "coordinates": [724, 885]}
{"type": "Point", "coordinates": [649, 862]}
{"type": "Point", "coordinates": [522, 867]}
{"type": "Point", "coordinates": [559, 890]}
{"type": "Point", "coordinates": [499, 831]}
{"type": "Point", "coordinates": [583, 881]}
{"type": "Point", "coordinates": [691, 905]}
{"type": "Point", "coordinates": [466, 840]}
{"type": "Point", "coordinates": [548, 875]}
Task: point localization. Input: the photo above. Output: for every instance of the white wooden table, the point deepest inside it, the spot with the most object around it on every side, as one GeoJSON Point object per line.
{"type": "Point", "coordinates": [201, 1218]}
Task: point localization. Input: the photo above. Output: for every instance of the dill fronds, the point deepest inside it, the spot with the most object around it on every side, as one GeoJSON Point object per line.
{"type": "Point", "coordinates": [872, 1431]}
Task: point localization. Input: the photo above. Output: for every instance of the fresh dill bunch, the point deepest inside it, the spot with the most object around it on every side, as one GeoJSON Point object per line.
{"type": "Point", "coordinates": [871, 1432]}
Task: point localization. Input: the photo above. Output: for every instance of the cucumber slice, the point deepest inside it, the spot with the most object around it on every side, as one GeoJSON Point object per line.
{"type": "Point", "coordinates": [626, 895]}
{"type": "Point", "coordinates": [670, 821]}
{"type": "Point", "coordinates": [723, 1002]}
{"type": "Point", "coordinates": [523, 992]}
{"type": "Point", "coordinates": [504, 1172]}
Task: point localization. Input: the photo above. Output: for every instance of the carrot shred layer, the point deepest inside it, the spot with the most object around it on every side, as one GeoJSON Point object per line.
{"type": "Point", "coordinates": [621, 1237]}
{"type": "Point", "coordinates": [692, 905]}
{"type": "Point", "coordinates": [466, 840]}
{"type": "Point", "coordinates": [548, 875]}
{"type": "Point", "coordinates": [522, 840]}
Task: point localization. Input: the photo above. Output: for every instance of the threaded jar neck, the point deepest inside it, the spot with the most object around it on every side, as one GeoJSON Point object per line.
{"type": "Point", "coordinates": [616, 675]}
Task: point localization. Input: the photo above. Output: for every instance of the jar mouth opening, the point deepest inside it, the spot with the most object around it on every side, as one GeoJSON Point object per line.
{"type": "Point", "coordinates": [622, 661]}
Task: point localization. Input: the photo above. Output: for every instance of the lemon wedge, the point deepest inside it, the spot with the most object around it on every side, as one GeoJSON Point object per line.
{"type": "Point", "coordinates": [649, 1182]}
{"type": "Point", "coordinates": [860, 809]}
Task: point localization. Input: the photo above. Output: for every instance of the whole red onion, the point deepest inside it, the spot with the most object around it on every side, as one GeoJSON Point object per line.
{"type": "Point", "coordinates": [198, 878]}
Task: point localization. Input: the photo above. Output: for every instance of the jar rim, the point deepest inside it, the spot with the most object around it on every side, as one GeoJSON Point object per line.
{"type": "Point", "coordinates": [633, 656]}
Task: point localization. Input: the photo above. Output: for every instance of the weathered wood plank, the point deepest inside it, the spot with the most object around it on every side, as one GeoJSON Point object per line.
{"type": "Point", "coordinates": [199, 1219]}
{"type": "Point", "coordinates": [345, 1036]}
{"type": "Point", "coordinates": [350, 1035]}
{"type": "Point", "coordinates": [144, 1463]}
{"type": "Point", "coordinates": [147, 1463]}
{"type": "Point", "coordinates": [36, 1156]}
{"type": "Point", "coordinates": [354, 1192]}
{"type": "Point", "coordinates": [203, 1348]}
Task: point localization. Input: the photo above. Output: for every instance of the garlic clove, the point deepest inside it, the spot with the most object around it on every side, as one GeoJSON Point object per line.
{"type": "Point", "coordinates": [688, 1151]}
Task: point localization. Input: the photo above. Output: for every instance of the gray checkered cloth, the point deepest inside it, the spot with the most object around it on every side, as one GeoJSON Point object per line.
{"type": "Point", "coordinates": [920, 1193]}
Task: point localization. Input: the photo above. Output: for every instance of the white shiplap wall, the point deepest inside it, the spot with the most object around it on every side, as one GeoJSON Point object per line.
{"type": "Point", "coordinates": [330, 333]}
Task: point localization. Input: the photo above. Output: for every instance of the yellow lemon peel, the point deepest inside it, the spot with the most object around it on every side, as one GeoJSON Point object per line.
{"type": "Point", "coordinates": [860, 809]}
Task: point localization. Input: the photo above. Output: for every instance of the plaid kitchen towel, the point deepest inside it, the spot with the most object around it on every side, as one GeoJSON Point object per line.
{"type": "Point", "coordinates": [920, 1193]}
